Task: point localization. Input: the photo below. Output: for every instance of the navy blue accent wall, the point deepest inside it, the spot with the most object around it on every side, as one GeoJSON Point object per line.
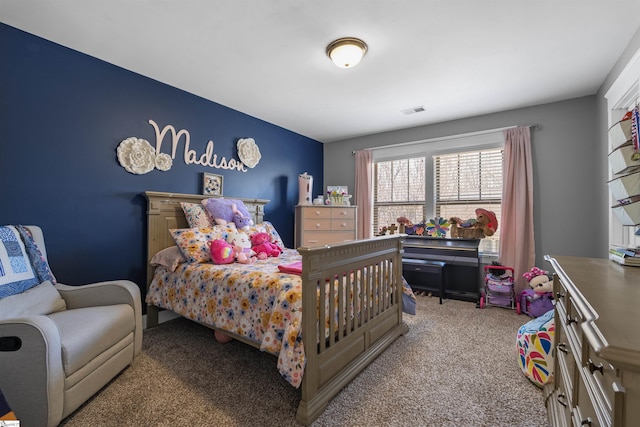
{"type": "Point", "coordinates": [62, 116]}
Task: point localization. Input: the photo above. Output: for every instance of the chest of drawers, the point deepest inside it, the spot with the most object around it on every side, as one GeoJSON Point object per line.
{"type": "Point", "coordinates": [321, 225]}
{"type": "Point", "coordinates": [597, 349]}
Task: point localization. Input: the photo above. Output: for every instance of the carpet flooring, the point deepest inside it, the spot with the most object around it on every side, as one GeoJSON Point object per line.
{"type": "Point", "coordinates": [456, 366]}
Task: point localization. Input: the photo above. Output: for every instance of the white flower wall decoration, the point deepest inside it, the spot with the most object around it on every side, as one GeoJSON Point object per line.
{"type": "Point", "coordinates": [248, 152]}
{"type": "Point", "coordinates": [137, 156]}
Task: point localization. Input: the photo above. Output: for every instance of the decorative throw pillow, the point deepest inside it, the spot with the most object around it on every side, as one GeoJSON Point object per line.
{"type": "Point", "coordinates": [16, 274]}
{"type": "Point", "coordinates": [38, 261]}
{"type": "Point", "coordinates": [40, 300]}
{"type": "Point", "coordinates": [197, 216]}
{"type": "Point", "coordinates": [274, 233]}
{"type": "Point", "coordinates": [170, 258]}
{"type": "Point", "coordinates": [265, 227]}
{"type": "Point", "coordinates": [192, 242]}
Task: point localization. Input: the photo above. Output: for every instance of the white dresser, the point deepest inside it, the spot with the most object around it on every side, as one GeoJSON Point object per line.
{"type": "Point", "coordinates": [597, 344]}
{"type": "Point", "coordinates": [320, 225]}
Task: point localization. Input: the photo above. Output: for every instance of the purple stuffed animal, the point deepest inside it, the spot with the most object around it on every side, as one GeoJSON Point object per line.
{"type": "Point", "coordinates": [224, 211]}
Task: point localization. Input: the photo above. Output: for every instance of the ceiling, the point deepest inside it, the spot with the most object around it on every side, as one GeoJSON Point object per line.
{"type": "Point", "coordinates": [267, 58]}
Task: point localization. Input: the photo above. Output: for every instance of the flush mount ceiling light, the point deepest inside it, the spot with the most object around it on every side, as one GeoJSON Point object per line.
{"type": "Point", "coordinates": [346, 52]}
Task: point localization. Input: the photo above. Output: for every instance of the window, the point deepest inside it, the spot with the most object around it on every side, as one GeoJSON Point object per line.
{"type": "Point", "coordinates": [461, 182]}
{"type": "Point", "coordinates": [466, 181]}
{"type": "Point", "coordinates": [398, 191]}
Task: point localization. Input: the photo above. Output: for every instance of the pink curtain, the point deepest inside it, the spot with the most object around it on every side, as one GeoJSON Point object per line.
{"type": "Point", "coordinates": [364, 193]}
{"type": "Point", "coordinates": [517, 245]}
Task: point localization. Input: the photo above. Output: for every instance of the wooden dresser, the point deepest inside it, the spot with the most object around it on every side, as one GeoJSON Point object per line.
{"type": "Point", "coordinates": [597, 348]}
{"type": "Point", "coordinates": [320, 225]}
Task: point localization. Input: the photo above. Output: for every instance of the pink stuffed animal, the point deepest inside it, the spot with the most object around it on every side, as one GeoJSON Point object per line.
{"type": "Point", "coordinates": [221, 252]}
{"type": "Point", "coordinates": [263, 246]}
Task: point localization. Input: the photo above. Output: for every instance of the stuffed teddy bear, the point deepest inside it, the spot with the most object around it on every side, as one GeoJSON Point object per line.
{"type": "Point", "coordinates": [487, 221]}
{"type": "Point", "coordinates": [225, 211]}
{"type": "Point", "coordinates": [221, 252]}
{"type": "Point", "coordinates": [540, 281]}
{"type": "Point", "coordinates": [263, 246]}
{"type": "Point", "coordinates": [241, 247]}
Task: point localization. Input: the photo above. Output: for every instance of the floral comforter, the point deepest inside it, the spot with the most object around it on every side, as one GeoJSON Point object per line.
{"type": "Point", "coordinates": [255, 301]}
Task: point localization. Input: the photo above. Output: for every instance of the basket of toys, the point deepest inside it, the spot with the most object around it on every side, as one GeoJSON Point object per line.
{"type": "Point", "coordinates": [466, 232]}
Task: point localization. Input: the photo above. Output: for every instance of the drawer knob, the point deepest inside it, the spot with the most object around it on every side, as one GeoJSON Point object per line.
{"type": "Point", "coordinates": [343, 225]}
{"type": "Point", "coordinates": [593, 367]}
{"type": "Point", "coordinates": [562, 399]}
{"type": "Point", "coordinates": [563, 347]}
{"type": "Point", "coordinates": [586, 422]}
{"type": "Point", "coordinates": [317, 225]}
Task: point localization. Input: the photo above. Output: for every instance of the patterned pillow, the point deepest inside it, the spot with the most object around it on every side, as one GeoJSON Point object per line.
{"type": "Point", "coordinates": [170, 258]}
{"type": "Point", "coordinates": [197, 216]}
{"type": "Point", "coordinates": [192, 242]}
{"type": "Point", "coordinates": [38, 261]}
{"type": "Point", "coordinates": [16, 274]}
{"type": "Point", "coordinates": [265, 227]}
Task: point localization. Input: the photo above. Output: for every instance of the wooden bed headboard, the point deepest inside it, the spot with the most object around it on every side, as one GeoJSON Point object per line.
{"type": "Point", "coordinates": [164, 212]}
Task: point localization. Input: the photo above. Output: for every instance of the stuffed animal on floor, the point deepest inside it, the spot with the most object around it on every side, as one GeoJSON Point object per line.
{"type": "Point", "coordinates": [221, 251]}
{"type": "Point", "coordinates": [262, 245]}
{"type": "Point", "coordinates": [241, 247]}
{"type": "Point", "coordinates": [540, 281]}
{"type": "Point", "coordinates": [221, 337]}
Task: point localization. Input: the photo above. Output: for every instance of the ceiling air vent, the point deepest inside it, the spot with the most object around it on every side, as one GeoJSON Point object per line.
{"type": "Point", "coordinates": [414, 110]}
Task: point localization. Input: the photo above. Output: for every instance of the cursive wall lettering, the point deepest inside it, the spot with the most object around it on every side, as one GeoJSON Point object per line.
{"type": "Point", "coordinates": [208, 158]}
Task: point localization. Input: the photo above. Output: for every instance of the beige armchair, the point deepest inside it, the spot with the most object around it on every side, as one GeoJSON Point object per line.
{"type": "Point", "coordinates": [60, 344]}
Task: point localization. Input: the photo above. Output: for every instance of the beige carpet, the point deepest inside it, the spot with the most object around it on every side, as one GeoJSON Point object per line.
{"type": "Point", "coordinates": [457, 366]}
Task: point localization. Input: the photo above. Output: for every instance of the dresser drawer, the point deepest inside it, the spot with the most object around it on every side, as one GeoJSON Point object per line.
{"type": "Point", "coordinates": [316, 224]}
{"type": "Point", "coordinates": [342, 213]}
{"type": "Point", "coordinates": [313, 212]}
{"type": "Point", "coordinates": [602, 376]}
{"type": "Point", "coordinates": [343, 225]}
{"type": "Point", "coordinates": [566, 367]}
{"type": "Point", "coordinates": [322, 238]}
{"type": "Point", "coordinates": [584, 413]}
{"type": "Point", "coordinates": [561, 401]}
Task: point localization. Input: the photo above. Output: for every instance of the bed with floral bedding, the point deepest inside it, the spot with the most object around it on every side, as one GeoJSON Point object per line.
{"type": "Point", "coordinates": [360, 283]}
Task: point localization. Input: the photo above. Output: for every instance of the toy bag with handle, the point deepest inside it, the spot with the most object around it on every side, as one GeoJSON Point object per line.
{"type": "Point", "coordinates": [535, 305]}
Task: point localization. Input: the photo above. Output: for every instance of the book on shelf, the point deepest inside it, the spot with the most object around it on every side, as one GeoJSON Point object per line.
{"type": "Point", "coordinates": [625, 256]}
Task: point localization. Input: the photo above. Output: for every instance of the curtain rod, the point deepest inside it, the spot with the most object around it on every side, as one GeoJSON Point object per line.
{"type": "Point", "coordinates": [534, 126]}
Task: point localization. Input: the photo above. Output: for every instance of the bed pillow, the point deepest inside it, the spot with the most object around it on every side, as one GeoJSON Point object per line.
{"type": "Point", "coordinates": [197, 216]}
{"type": "Point", "coordinates": [16, 273]}
{"type": "Point", "coordinates": [265, 227]}
{"type": "Point", "coordinates": [170, 258]}
{"type": "Point", "coordinates": [193, 242]}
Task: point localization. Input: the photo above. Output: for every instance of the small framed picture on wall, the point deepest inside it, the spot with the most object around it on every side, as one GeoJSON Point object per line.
{"type": "Point", "coordinates": [212, 184]}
